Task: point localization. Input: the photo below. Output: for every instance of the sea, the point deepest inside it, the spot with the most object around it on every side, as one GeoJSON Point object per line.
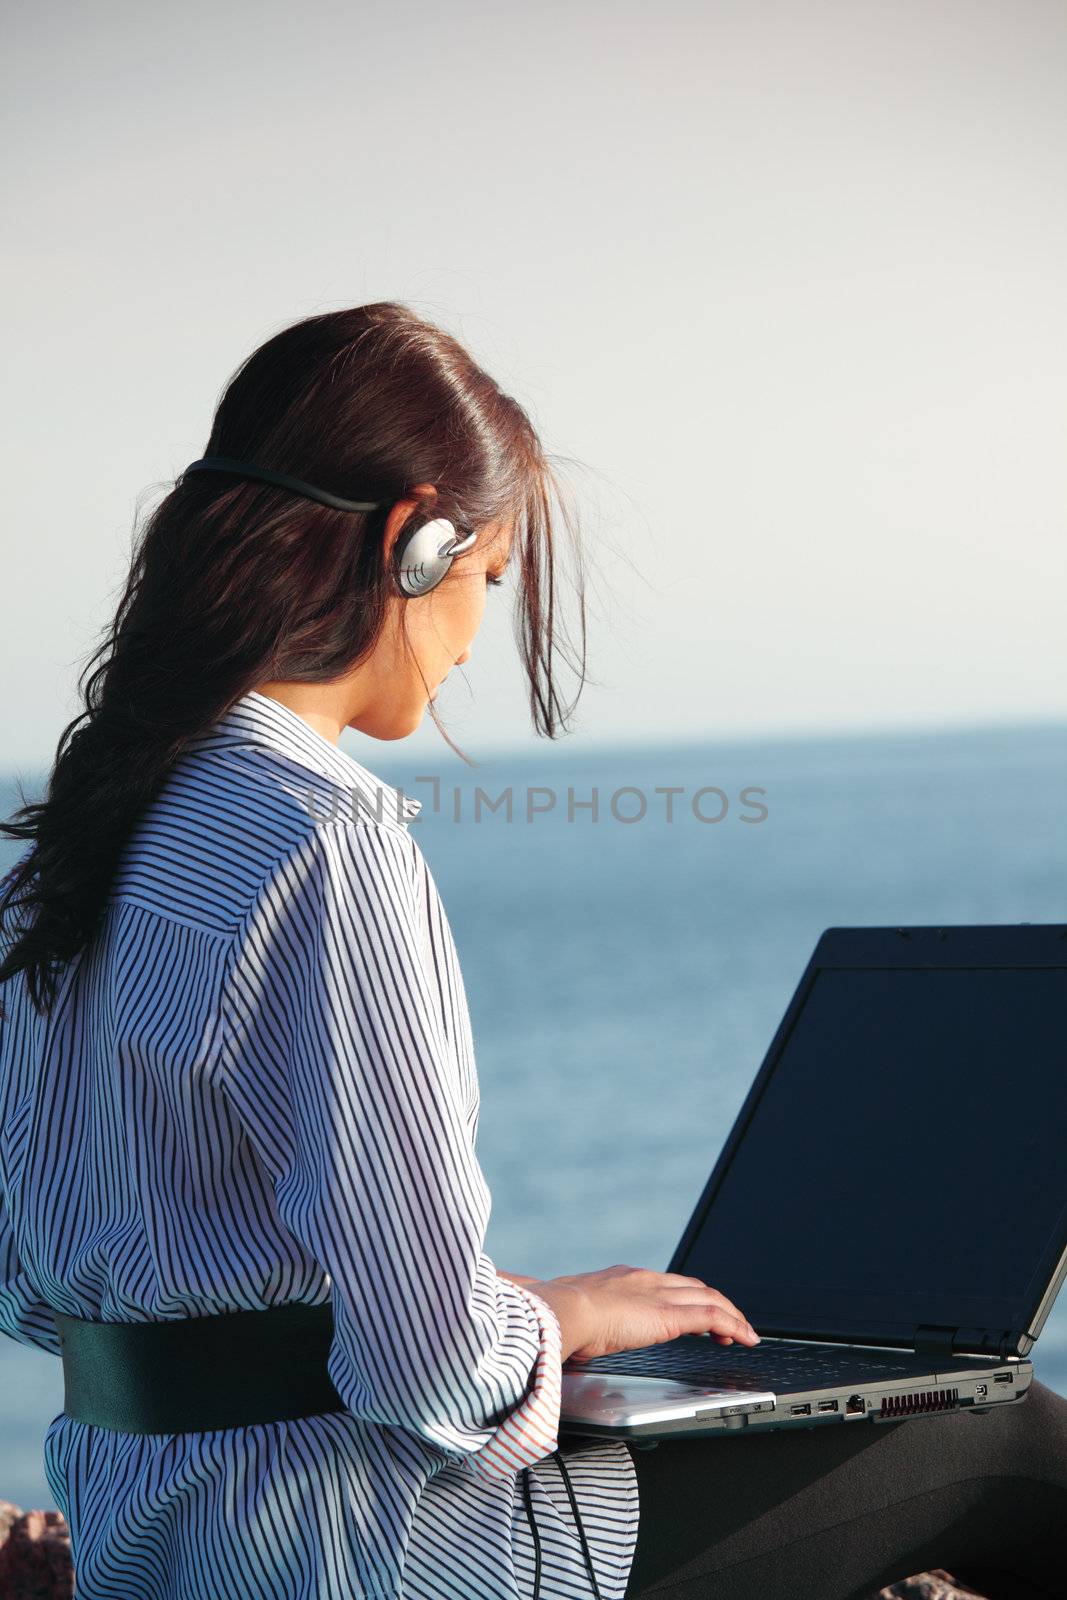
{"type": "Point", "coordinates": [631, 924]}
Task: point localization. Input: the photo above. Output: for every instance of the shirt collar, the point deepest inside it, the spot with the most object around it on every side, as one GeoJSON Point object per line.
{"type": "Point", "coordinates": [259, 719]}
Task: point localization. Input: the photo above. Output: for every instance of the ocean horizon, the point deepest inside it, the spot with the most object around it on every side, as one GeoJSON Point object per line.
{"type": "Point", "coordinates": [627, 966]}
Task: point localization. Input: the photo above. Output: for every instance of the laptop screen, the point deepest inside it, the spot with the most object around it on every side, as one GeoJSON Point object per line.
{"type": "Point", "coordinates": [903, 1162]}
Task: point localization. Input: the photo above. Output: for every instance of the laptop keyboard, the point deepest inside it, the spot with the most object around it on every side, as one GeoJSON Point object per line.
{"type": "Point", "coordinates": [778, 1366]}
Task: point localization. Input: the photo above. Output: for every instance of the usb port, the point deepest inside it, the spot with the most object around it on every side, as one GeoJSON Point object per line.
{"type": "Point", "coordinates": [1003, 1377]}
{"type": "Point", "coordinates": [801, 1411]}
{"type": "Point", "coordinates": [827, 1405]}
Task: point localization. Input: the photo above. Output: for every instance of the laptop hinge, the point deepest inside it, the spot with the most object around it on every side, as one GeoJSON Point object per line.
{"type": "Point", "coordinates": [933, 1341]}
{"type": "Point", "coordinates": [938, 1341]}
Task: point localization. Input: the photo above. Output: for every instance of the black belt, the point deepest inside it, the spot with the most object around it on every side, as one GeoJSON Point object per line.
{"type": "Point", "coordinates": [198, 1373]}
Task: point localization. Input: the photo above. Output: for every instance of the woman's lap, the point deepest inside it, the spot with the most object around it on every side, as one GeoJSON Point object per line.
{"type": "Point", "coordinates": [837, 1512]}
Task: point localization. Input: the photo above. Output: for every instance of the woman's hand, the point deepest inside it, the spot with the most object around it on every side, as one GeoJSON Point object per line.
{"type": "Point", "coordinates": [625, 1308]}
{"type": "Point", "coordinates": [516, 1277]}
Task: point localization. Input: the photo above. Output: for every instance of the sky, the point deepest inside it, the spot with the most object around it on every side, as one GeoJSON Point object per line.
{"type": "Point", "coordinates": [779, 284]}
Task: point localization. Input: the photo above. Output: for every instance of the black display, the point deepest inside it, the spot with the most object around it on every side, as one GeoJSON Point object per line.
{"type": "Point", "coordinates": [903, 1163]}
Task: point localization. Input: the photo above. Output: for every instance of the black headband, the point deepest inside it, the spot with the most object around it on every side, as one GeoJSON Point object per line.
{"type": "Point", "coordinates": [245, 469]}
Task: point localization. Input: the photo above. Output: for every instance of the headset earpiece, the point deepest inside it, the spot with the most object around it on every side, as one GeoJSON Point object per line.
{"type": "Point", "coordinates": [422, 557]}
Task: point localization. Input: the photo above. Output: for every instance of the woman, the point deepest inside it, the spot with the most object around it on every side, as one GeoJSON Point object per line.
{"type": "Point", "coordinates": [239, 1098]}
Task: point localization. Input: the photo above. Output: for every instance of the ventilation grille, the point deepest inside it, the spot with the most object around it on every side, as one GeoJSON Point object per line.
{"type": "Point", "coordinates": [908, 1405]}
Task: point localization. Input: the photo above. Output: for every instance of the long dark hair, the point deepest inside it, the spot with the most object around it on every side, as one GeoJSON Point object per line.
{"type": "Point", "coordinates": [234, 583]}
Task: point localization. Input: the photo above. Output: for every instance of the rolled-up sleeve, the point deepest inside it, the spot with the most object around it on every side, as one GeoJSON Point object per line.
{"type": "Point", "coordinates": [336, 1062]}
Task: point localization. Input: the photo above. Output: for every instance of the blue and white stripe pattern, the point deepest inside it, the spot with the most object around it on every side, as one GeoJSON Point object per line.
{"type": "Point", "coordinates": [258, 1085]}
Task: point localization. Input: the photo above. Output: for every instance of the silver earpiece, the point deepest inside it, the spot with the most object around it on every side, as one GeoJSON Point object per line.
{"type": "Point", "coordinates": [422, 558]}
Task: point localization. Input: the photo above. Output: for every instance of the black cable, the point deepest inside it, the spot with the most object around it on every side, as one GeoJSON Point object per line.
{"type": "Point", "coordinates": [533, 1529]}
{"type": "Point", "coordinates": [578, 1521]}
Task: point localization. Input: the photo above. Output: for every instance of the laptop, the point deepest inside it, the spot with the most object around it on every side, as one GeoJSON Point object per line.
{"type": "Point", "coordinates": [890, 1207]}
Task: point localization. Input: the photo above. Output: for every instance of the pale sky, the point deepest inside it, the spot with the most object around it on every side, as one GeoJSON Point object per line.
{"type": "Point", "coordinates": [786, 280]}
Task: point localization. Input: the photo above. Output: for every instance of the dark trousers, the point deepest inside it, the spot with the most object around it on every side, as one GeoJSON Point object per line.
{"type": "Point", "coordinates": [836, 1513]}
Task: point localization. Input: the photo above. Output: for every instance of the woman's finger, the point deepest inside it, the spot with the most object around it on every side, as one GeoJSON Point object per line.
{"type": "Point", "coordinates": [711, 1297]}
{"type": "Point", "coordinates": [698, 1283]}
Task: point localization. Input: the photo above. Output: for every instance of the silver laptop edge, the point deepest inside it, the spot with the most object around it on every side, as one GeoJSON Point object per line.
{"type": "Point", "coordinates": [601, 1403]}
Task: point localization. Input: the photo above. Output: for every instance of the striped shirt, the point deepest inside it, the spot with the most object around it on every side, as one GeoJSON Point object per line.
{"type": "Point", "coordinates": [258, 1085]}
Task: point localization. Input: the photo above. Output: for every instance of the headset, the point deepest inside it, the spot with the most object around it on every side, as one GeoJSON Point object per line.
{"type": "Point", "coordinates": [421, 556]}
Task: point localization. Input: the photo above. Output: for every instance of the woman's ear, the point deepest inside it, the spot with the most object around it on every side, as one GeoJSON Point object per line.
{"type": "Point", "coordinates": [402, 511]}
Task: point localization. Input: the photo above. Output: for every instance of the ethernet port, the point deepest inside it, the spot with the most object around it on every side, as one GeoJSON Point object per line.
{"type": "Point", "coordinates": [854, 1403]}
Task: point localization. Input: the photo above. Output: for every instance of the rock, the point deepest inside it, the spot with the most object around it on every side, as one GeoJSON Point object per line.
{"type": "Point", "coordinates": [935, 1585]}
{"type": "Point", "coordinates": [8, 1513]}
{"type": "Point", "coordinates": [35, 1558]}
